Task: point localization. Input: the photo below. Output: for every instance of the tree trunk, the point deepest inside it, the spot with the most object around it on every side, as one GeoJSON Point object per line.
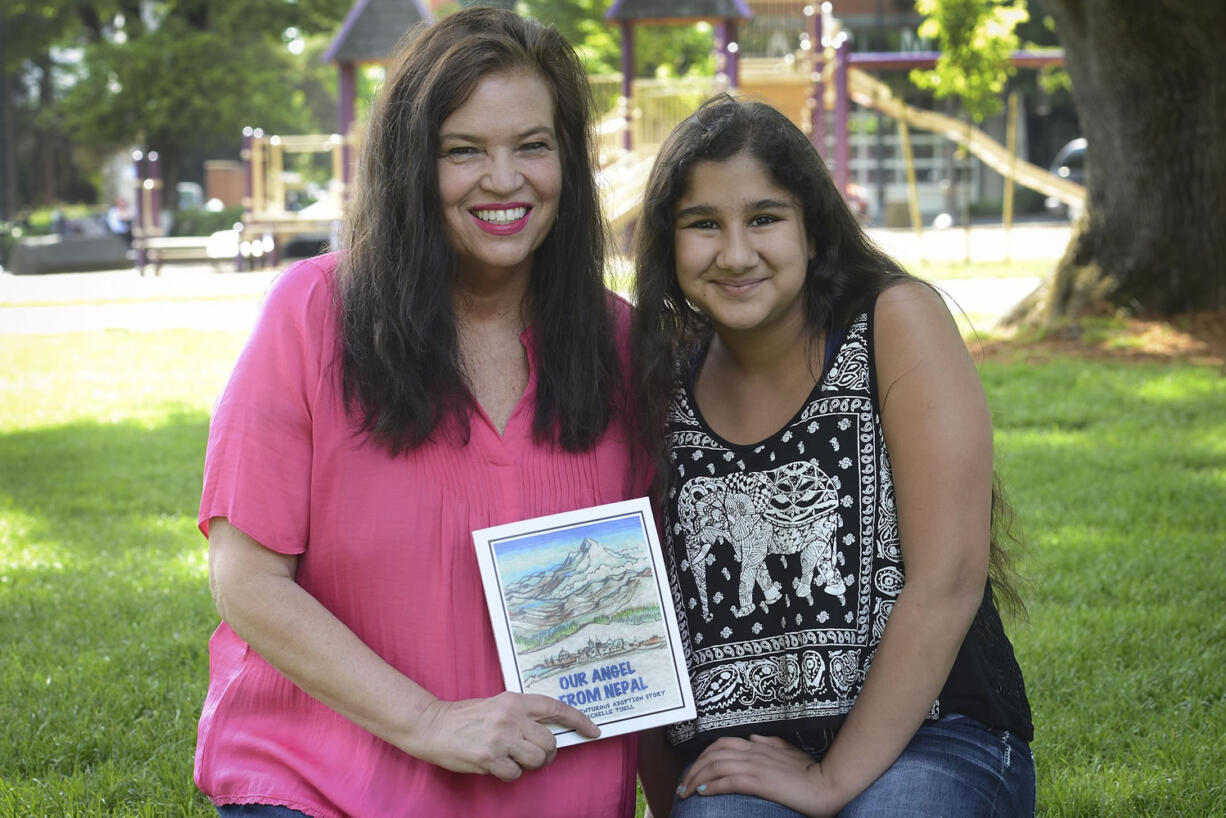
{"type": "Point", "coordinates": [1149, 85]}
{"type": "Point", "coordinates": [45, 192]}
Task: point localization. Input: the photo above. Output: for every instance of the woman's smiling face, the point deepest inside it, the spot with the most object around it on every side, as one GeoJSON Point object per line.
{"type": "Point", "coordinates": [500, 175]}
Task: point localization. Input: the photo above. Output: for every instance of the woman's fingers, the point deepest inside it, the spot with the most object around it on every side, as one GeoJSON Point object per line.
{"type": "Point", "coordinates": [503, 735]}
{"type": "Point", "coordinates": [547, 710]}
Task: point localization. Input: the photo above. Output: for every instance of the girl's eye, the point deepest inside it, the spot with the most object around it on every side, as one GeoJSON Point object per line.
{"type": "Point", "coordinates": [701, 224]}
{"type": "Point", "coordinates": [763, 219]}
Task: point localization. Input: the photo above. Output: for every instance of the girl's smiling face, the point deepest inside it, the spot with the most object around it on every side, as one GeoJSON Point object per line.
{"type": "Point", "coordinates": [741, 247]}
{"type": "Point", "coordinates": [500, 175]}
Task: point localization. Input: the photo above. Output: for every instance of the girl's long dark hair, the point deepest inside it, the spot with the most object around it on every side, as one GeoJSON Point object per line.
{"type": "Point", "coordinates": [842, 281]}
{"type": "Point", "coordinates": [402, 371]}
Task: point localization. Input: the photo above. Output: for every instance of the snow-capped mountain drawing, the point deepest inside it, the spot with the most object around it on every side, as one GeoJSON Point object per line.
{"type": "Point", "coordinates": [594, 581]}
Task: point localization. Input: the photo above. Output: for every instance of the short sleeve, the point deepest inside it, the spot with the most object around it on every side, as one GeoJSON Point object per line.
{"type": "Point", "coordinates": [257, 470]}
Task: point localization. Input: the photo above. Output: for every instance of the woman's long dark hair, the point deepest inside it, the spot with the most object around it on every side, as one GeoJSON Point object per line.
{"type": "Point", "coordinates": [402, 369]}
{"type": "Point", "coordinates": [842, 281]}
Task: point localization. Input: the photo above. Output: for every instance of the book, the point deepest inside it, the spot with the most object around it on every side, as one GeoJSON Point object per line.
{"type": "Point", "coordinates": [581, 612]}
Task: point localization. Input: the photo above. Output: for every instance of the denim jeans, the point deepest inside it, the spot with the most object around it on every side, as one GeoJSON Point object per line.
{"type": "Point", "coordinates": [257, 811]}
{"type": "Point", "coordinates": [954, 767]}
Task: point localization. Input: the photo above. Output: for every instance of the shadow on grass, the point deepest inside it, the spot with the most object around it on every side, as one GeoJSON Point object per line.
{"type": "Point", "coordinates": [104, 615]}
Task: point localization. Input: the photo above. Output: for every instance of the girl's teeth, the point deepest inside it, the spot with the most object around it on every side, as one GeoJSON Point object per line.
{"type": "Point", "coordinates": [501, 216]}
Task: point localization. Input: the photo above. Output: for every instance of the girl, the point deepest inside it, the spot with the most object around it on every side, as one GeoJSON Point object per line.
{"type": "Point", "coordinates": [828, 500]}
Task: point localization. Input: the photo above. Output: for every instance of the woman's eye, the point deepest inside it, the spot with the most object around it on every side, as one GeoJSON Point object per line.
{"type": "Point", "coordinates": [461, 152]}
{"type": "Point", "coordinates": [534, 147]}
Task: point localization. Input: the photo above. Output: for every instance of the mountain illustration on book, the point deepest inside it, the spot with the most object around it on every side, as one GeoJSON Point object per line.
{"type": "Point", "coordinates": [597, 603]}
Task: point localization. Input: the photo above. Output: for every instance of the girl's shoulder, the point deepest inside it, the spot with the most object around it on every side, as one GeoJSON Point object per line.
{"type": "Point", "coordinates": [910, 301]}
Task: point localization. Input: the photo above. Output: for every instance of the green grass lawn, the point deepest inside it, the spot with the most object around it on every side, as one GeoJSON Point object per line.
{"type": "Point", "coordinates": [1119, 473]}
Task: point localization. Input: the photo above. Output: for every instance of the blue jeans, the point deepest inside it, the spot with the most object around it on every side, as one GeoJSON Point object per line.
{"type": "Point", "coordinates": [257, 811]}
{"type": "Point", "coordinates": [954, 767]}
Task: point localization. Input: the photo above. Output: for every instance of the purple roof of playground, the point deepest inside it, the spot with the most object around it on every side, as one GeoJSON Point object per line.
{"type": "Point", "coordinates": [678, 10]}
{"type": "Point", "coordinates": [374, 28]}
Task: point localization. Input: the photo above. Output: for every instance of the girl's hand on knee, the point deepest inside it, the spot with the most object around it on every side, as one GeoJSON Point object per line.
{"type": "Point", "coordinates": [765, 767]}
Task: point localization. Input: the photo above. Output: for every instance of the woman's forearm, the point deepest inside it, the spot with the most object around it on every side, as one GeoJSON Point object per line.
{"type": "Point", "coordinates": [256, 594]}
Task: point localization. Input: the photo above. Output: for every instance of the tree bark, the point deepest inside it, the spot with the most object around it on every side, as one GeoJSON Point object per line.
{"type": "Point", "coordinates": [1149, 85]}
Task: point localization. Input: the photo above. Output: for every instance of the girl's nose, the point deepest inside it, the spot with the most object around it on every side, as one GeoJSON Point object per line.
{"type": "Point", "coordinates": [736, 252]}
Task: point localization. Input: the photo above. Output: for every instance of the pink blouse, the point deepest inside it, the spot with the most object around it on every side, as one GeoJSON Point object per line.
{"type": "Point", "coordinates": [385, 544]}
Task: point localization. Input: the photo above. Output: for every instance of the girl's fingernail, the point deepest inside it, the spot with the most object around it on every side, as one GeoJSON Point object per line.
{"type": "Point", "coordinates": [702, 787]}
{"type": "Point", "coordinates": [681, 790]}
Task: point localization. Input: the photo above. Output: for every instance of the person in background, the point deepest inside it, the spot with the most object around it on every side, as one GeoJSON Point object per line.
{"type": "Point", "coordinates": [119, 220]}
{"type": "Point", "coordinates": [829, 506]}
{"type": "Point", "coordinates": [459, 365]}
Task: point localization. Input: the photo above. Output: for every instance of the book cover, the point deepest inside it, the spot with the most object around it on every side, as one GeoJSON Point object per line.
{"type": "Point", "coordinates": [581, 612]}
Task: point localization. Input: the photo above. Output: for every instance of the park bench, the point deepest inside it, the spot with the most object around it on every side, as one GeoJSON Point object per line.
{"type": "Point", "coordinates": [154, 250]}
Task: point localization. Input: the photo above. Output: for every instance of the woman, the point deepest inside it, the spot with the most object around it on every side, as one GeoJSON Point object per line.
{"type": "Point", "coordinates": [828, 500]}
{"type": "Point", "coordinates": [455, 368]}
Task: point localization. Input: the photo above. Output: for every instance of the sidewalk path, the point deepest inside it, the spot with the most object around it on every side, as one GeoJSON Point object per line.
{"type": "Point", "coordinates": [196, 296]}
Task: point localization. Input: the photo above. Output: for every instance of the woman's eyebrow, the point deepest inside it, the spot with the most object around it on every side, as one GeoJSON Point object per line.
{"type": "Point", "coordinates": [539, 130]}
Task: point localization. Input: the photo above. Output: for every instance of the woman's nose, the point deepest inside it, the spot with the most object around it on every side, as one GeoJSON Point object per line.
{"type": "Point", "coordinates": [502, 175]}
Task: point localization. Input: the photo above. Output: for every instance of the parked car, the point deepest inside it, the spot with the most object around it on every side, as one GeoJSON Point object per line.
{"type": "Point", "coordinates": [1070, 163]}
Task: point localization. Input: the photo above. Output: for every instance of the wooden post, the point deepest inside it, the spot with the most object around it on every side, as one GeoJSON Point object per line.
{"type": "Point", "coordinates": [142, 207]}
{"type": "Point", "coordinates": [628, 80]}
{"type": "Point", "coordinates": [1011, 147]}
{"type": "Point", "coordinates": [842, 173]}
{"type": "Point", "coordinates": [276, 176]}
{"type": "Point", "coordinates": [817, 101]}
{"type": "Point", "coordinates": [338, 162]}
{"type": "Point", "coordinates": [257, 173]}
{"type": "Point", "coordinates": [904, 140]}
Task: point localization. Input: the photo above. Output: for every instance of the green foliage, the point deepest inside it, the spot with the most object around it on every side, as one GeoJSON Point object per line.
{"type": "Point", "coordinates": [187, 80]}
{"type": "Point", "coordinates": [197, 221]}
{"type": "Point", "coordinates": [659, 50]}
{"type": "Point", "coordinates": [181, 77]}
{"type": "Point", "coordinates": [976, 39]}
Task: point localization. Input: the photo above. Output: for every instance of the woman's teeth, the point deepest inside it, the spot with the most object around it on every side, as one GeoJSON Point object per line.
{"type": "Point", "coordinates": [501, 216]}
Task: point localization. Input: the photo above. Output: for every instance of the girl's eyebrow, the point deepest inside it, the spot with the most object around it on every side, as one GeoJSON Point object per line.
{"type": "Point", "coordinates": [695, 210]}
{"type": "Point", "coordinates": [707, 210]}
{"type": "Point", "coordinates": [769, 204]}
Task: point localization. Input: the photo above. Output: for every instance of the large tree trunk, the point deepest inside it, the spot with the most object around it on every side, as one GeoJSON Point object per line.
{"type": "Point", "coordinates": [1149, 85]}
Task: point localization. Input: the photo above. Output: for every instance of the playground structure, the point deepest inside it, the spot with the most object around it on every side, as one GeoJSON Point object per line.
{"type": "Point", "coordinates": [268, 221]}
{"type": "Point", "coordinates": [150, 243]}
{"type": "Point", "coordinates": [816, 78]}
{"type": "Point", "coordinates": [821, 79]}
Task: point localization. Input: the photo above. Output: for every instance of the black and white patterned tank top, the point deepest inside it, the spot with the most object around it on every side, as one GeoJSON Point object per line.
{"type": "Point", "coordinates": [784, 555]}
{"type": "Point", "coordinates": [784, 562]}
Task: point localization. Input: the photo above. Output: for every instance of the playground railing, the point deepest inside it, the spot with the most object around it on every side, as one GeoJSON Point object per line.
{"type": "Point", "coordinates": [658, 106]}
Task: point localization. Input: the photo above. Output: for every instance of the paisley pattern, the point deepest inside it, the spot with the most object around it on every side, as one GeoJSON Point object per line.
{"type": "Point", "coordinates": [783, 556]}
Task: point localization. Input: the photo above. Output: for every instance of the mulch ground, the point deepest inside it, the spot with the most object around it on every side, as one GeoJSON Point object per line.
{"type": "Point", "coordinates": [1198, 338]}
